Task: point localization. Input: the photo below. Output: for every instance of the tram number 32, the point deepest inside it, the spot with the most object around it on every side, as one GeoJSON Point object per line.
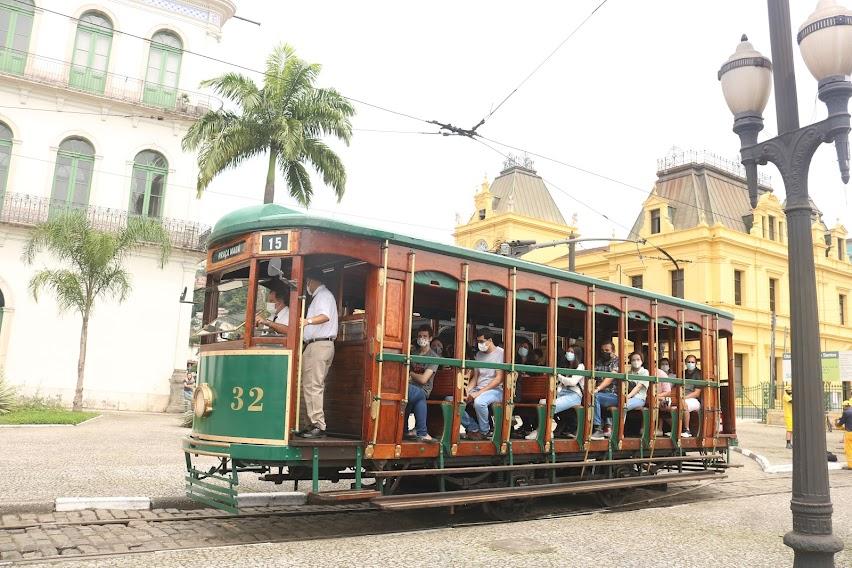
{"type": "Point", "coordinates": [256, 393]}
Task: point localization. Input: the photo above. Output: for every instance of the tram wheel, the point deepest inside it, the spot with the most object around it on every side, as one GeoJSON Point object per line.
{"type": "Point", "coordinates": [615, 497]}
{"type": "Point", "coordinates": [511, 510]}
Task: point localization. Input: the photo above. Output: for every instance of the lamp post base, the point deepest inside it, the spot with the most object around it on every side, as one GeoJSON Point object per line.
{"type": "Point", "coordinates": [813, 550]}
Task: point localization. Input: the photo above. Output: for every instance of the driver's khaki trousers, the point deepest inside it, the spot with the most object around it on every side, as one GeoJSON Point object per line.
{"type": "Point", "coordinates": [316, 361]}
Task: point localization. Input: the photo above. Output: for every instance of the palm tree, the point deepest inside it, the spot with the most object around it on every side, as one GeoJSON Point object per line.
{"type": "Point", "coordinates": [286, 118]}
{"type": "Point", "coordinates": [94, 271]}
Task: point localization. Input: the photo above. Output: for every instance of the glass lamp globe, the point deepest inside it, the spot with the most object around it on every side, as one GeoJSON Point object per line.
{"type": "Point", "coordinates": [825, 41]}
{"type": "Point", "coordinates": [746, 79]}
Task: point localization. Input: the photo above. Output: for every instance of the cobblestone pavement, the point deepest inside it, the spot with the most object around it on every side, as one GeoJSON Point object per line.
{"type": "Point", "coordinates": [769, 441]}
{"type": "Point", "coordinates": [732, 530]}
{"type": "Point", "coordinates": [122, 453]}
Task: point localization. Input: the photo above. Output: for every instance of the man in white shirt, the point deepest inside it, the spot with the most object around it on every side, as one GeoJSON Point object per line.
{"type": "Point", "coordinates": [280, 311]}
{"type": "Point", "coordinates": [320, 331]}
{"type": "Point", "coordinates": [487, 387]}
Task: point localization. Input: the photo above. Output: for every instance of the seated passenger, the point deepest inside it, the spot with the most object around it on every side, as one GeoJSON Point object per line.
{"type": "Point", "coordinates": [420, 379]}
{"type": "Point", "coordinates": [524, 352]}
{"type": "Point", "coordinates": [639, 393]}
{"type": "Point", "coordinates": [569, 394]}
{"type": "Point", "coordinates": [277, 307]}
{"type": "Point", "coordinates": [605, 395]}
{"type": "Point", "coordinates": [664, 389]}
{"type": "Point", "coordinates": [690, 393]}
{"type": "Point", "coordinates": [537, 357]}
{"type": "Point", "coordinates": [487, 387]}
{"type": "Point", "coordinates": [525, 355]}
{"type": "Point", "coordinates": [438, 347]}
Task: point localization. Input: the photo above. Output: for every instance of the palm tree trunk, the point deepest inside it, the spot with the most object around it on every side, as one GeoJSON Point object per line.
{"type": "Point", "coordinates": [269, 192]}
{"type": "Point", "coordinates": [77, 405]}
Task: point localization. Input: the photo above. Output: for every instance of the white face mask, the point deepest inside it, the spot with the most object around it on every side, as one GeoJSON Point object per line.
{"type": "Point", "coordinates": [690, 366]}
{"type": "Point", "coordinates": [665, 368]}
{"type": "Point", "coordinates": [570, 356]}
{"type": "Point", "coordinates": [422, 341]}
{"type": "Point", "coordinates": [270, 307]}
{"type": "Point", "coordinates": [483, 346]}
{"type": "Point", "coordinates": [523, 351]}
{"type": "Point", "coordinates": [636, 364]}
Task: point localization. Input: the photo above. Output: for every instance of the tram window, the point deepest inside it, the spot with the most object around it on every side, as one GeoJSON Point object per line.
{"type": "Point", "coordinates": [272, 296]}
{"type": "Point", "coordinates": [530, 324]}
{"type": "Point", "coordinates": [606, 331]}
{"type": "Point", "coordinates": [230, 296]}
{"type": "Point", "coordinates": [434, 305]}
{"type": "Point", "coordinates": [486, 305]}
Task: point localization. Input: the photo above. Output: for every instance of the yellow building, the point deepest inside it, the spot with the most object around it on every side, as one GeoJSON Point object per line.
{"type": "Point", "coordinates": [516, 206]}
{"type": "Point", "coordinates": [731, 257]}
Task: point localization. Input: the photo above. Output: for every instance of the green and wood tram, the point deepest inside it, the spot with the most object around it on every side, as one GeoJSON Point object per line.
{"type": "Point", "coordinates": [247, 404]}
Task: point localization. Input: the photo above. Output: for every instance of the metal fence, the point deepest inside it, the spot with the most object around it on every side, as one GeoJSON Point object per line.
{"type": "Point", "coordinates": [48, 71]}
{"type": "Point", "coordinates": [24, 209]}
{"type": "Point", "coordinates": [755, 402]}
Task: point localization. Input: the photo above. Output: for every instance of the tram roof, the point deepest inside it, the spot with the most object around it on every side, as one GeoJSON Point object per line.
{"type": "Point", "coordinates": [273, 216]}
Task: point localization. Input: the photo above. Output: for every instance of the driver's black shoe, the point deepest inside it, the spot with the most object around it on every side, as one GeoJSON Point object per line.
{"type": "Point", "coordinates": [312, 432]}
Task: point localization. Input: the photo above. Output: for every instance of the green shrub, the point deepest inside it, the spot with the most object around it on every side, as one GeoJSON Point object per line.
{"type": "Point", "coordinates": [39, 402]}
{"type": "Point", "coordinates": [8, 396]}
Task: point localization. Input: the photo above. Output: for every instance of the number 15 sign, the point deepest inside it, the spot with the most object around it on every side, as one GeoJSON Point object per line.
{"type": "Point", "coordinates": [277, 242]}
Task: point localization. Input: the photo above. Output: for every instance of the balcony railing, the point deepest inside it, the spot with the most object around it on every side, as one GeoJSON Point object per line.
{"type": "Point", "coordinates": [65, 75]}
{"type": "Point", "coordinates": [23, 209]}
{"type": "Point", "coordinates": [679, 158]}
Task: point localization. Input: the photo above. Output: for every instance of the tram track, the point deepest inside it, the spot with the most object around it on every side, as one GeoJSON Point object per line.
{"type": "Point", "coordinates": [215, 530]}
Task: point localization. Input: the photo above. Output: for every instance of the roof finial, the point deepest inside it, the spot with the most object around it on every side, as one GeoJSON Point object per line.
{"type": "Point", "coordinates": [744, 38]}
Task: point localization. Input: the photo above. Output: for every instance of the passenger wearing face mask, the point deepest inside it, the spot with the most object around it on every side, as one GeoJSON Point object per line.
{"type": "Point", "coordinates": [438, 347]}
{"type": "Point", "coordinates": [569, 394]}
{"type": "Point", "coordinates": [487, 387]}
{"type": "Point", "coordinates": [690, 393]}
{"type": "Point", "coordinates": [524, 355]}
{"type": "Point", "coordinates": [420, 379]}
{"type": "Point", "coordinates": [664, 389]}
{"type": "Point", "coordinates": [320, 331]}
{"type": "Point", "coordinates": [639, 393]}
{"type": "Point", "coordinates": [605, 395]}
{"type": "Point", "coordinates": [277, 307]}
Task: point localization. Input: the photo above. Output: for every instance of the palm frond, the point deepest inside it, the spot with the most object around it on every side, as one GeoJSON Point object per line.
{"type": "Point", "coordinates": [8, 395]}
{"type": "Point", "coordinates": [298, 181]}
{"type": "Point", "coordinates": [209, 125]}
{"type": "Point", "coordinates": [237, 88]}
{"type": "Point", "coordinates": [68, 287]}
{"type": "Point", "coordinates": [324, 112]}
{"type": "Point", "coordinates": [327, 164]}
{"type": "Point", "coordinates": [142, 231]}
{"type": "Point", "coordinates": [114, 281]}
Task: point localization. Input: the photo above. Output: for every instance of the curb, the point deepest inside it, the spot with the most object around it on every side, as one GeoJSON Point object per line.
{"type": "Point", "coordinates": [767, 467]}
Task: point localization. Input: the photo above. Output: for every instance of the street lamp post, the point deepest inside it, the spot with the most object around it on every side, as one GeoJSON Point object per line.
{"type": "Point", "coordinates": [825, 41]}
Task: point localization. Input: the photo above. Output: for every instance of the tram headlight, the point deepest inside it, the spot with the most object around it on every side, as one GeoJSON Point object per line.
{"type": "Point", "coordinates": [202, 401]}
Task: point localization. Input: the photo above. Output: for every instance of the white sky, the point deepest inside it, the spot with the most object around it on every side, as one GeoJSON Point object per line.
{"type": "Point", "coordinates": [636, 80]}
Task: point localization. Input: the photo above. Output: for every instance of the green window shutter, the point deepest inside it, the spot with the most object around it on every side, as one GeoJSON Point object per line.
{"type": "Point", "coordinates": [16, 25]}
{"type": "Point", "coordinates": [487, 288]}
{"type": "Point", "coordinates": [90, 58]}
{"type": "Point", "coordinates": [163, 72]}
{"type": "Point", "coordinates": [148, 184]}
{"type": "Point", "coordinates": [573, 304]}
{"type": "Point", "coordinates": [436, 280]}
{"type": "Point", "coordinates": [72, 176]}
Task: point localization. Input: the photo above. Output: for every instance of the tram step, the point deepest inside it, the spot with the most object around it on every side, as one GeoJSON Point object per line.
{"type": "Point", "coordinates": [473, 496]}
{"type": "Point", "coordinates": [344, 496]}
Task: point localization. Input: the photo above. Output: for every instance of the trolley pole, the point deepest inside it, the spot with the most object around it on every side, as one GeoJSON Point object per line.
{"type": "Point", "coordinates": [746, 91]}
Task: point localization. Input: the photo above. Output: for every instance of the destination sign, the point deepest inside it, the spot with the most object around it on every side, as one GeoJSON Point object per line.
{"type": "Point", "coordinates": [227, 252]}
{"type": "Point", "coordinates": [275, 242]}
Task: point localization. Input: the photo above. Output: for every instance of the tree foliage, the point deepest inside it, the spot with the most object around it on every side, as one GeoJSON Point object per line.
{"type": "Point", "coordinates": [285, 119]}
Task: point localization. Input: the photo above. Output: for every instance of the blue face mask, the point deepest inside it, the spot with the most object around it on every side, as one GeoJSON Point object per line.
{"type": "Point", "coordinates": [570, 356]}
{"type": "Point", "coordinates": [523, 351]}
{"type": "Point", "coordinates": [690, 366]}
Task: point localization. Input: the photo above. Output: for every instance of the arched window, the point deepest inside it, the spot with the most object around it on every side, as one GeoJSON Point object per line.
{"type": "Point", "coordinates": [161, 78]}
{"type": "Point", "coordinates": [72, 178]}
{"type": "Point", "coordinates": [91, 52]}
{"type": "Point", "coordinates": [5, 158]}
{"type": "Point", "coordinates": [148, 185]}
{"type": "Point", "coordinates": [16, 25]}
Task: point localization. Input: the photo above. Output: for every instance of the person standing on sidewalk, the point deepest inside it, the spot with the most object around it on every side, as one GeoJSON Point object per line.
{"type": "Point", "coordinates": [845, 421]}
{"type": "Point", "coordinates": [320, 331]}
{"type": "Point", "coordinates": [788, 414]}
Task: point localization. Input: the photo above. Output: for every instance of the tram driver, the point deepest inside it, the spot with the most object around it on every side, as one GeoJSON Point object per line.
{"type": "Point", "coordinates": [320, 331]}
{"type": "Point", "coordinates": [276, 306]}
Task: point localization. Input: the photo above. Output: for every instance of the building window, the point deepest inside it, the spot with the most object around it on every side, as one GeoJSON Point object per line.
{"type": "Point", "coordinates": [763, 226]}
{"type": "Point", "coordinates": [781, 231]}
{"type": "Point", "coordinates": [5, 158]}
{"type": "Point", "coordinates": [161, 78]}
{"type": "Point", "coordinates": [636, 281]}
{"type": "Point", "coordinates": [677, 283]}
{"type": "Point", "coordinates": [842, 305]}
{"type": "Point", "coordinates": [16, 25]}
{"type": "Point", "coordinates": [771, 228]}
{"type": "Point", "coordinates": [72, 178]}
{"type": "Point", "coordinates": [91, 53]}
{"type": "Point", "coordinates": [840, 248]}
{"type": "Point", "coordinates": [773, 293]}
{"type": "Point", "coordinates": [738, 373]}
{"type": "Point", "coordinates": [481, 214]}
{"type": "Point", "coordinates": [655, 221]}
{"type": "Point", "coordinates": [148, 185]}
{"type": "Point", "coordinates": [738, 287]}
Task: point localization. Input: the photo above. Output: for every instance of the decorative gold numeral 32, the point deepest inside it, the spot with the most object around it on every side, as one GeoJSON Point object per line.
{"type": "Point", "coordinates": [254, 392]}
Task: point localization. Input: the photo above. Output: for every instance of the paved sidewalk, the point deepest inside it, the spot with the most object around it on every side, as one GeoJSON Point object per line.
{"type": "Point", "coordinates": [768, 441]}
{"type": "Point", "coordinates": [122, 453]}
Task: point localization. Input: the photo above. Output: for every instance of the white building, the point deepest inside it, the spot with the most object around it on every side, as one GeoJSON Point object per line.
{"type": "Point", "coordinates": [95, 98]}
